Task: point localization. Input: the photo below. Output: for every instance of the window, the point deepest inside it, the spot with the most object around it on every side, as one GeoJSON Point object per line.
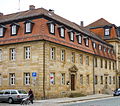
{"type": "Point", "coordinates": [107, 32]}
{"type": "Point", "coordinates": [88, 79]}
{"type": "Point", "coordinates": [110, 65]}
{"type": "Point", "coordinates": [100, 47]}
{"type": "Point", "coordinates": [101, 63]}
{"type": "Point", "coordinates": [110, 80]}
{"type": "Point", "coordinates": [106, 64]}
{"type": "Point", "coordinates": [81, 79]}
{"type": "Point", "coordinates": [72, 36]}
{"type": "Point", "coordinates": [0, 55]}
{"type": "Point", "coordinates": [52, 53]}
{"type": "Point", "coordinates": [62, 55]}
{"type": "Point", "coordinates": [52, 28]}
{"type": "Point", "coordinates": [12, 78]}
{"type": "Point", "coordinates": [63, 78]}
{"type": "Point", "coordinates": [95, 61]}
{"type": "Point", "coordinates": [113, 79]}
{"type": "Point", "coordinates": [86, 42]}
{"type": "Point", "coordinates": [79, 38]}
{"type": "Point", "coordinates": [12, 54]}
{"type": "Point", "coordinates": [94, 45]}
{"type": "Point", "coordinates": [81, 59]}
{"type": "Point", "coordinates": [101, 77]}
{"type": "Point", "coordinates": [52, 78]}
{"type": "Point", "coordinates": [62, 32]}
{"type": "Point", "coordinates": [27, 52]}
{"type": "Point", "coordinates": [104, 49]}
{"type": "Point", "coordinates": [1, 32]}
{"type": "Point", "coordinates": [73, 57]}
{"type": "Point", "coordinates": [113, 66]}
{"type": "Point", "coordinates": [87, 60]}
{"type": "Point", "coordinates": [13, 29]}
{"type": "Point", "coordinates": [96, 79]}
{"type": "Point", "coordinates": [27, 78]}
{"type": "Point", "coordinates": [28, 26]}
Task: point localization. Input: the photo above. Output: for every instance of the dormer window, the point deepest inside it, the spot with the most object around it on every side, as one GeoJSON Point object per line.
{"type": "Point", "coordinates": [28, 26]}
{"type": "Point", "coordinates": [62, 31]}
{"type": "Point", "coordinates": [86, 41]}
{"type": "Point", "coordinates": [104, 49]}
{"type": "Point", "coordinates": [14, 28]}
{"type": "Point", "coordinates": [94, 45]}
{"type": "Point", "coordinates": [71, 36]}
{"type": "Point", "coordinates": [100, 47]}
{"type": "Point", "coordinates": [108, 50]}
{"type": "Point", "coordinates": [51, 26]}
{"type": "Point", "coordinates": [79, 38]}
{"type": "Point", "coordinates": [107, 32]}
{"type": "Point", "coordinates": [2, 30]}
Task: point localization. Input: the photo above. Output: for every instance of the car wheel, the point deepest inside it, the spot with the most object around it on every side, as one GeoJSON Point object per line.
{"type": "Point", "coordinates": [10, 100]}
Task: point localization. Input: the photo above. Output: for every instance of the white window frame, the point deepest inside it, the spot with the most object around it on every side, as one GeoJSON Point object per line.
{"type": "Point", "coordinates": [62, 32]}
{"type": "Point", "coordinates": [62, 78]}
{"type": "Point", "coordinates": [87, 60]}
{"type": "Point", "coordinates": [0, 79]}
{"type": "Point", "coordinates": [1, 31]}
{"type": "Point", "coordinates": [12, 54]}
{"type": "Point", "coordinates": [81, 58]}
{"type": "Point", "coordinates": [52, 53]}
{"type": "Point", "coordinates": [14, 29]}
{"type": "Point", "coordinates": [72, 36]}
{"type": "Point", "coordinates": [62, 55]}
{"type": "Point", "coordinates": [94, 44]}
{"type": "Point", "coordinates": [100, 47]}
{"type": "Point", "coordinates": [87, 42]}
{"type": "Point", "coordinates": [27, 52]}
{"type": "Point", "coordinates": [73, 57]}
{"type": "Point", "coordinates": [107, 32]}
{"type": "Point", "coordinates": [79, 39]}
{"type": "Point", "coordinates": [1, 55]}
{"type": "Point", "coordinates": [52, 28]}
{"type": "Point", "coordinates": [12, 78]}
{"type": "Point", "coordinates": [27, 27]}
{"type": "Point", "coordinates": [27, 78]}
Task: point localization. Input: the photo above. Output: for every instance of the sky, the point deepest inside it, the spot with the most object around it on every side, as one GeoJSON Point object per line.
{"type": "Point", "coordinates": [73, 10]}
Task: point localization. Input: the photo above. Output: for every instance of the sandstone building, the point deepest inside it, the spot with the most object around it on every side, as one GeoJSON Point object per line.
{"type": "Point", "coordinates": [53, 56]}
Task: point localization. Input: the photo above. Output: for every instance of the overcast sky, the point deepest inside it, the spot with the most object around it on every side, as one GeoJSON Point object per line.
{"type": "Point", "coordinates": [73, 10]}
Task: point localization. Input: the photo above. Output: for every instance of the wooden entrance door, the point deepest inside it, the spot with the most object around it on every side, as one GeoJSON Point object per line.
{"type": "Point", "coordinates": [72, 82]}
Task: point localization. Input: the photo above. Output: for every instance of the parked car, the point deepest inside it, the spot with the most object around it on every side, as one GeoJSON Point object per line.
{"type": "Point", "coordinates": [116, 92]}
{"type": "Point", "coordinates": [12, 95]}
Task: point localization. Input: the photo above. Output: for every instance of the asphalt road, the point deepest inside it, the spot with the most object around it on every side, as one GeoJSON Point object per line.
{"type": "Point", "coordinates": [113, 101]}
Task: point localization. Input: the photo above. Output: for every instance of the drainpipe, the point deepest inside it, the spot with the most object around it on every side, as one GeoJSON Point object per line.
{"type": "Point", "coordinates": [93, 76]}
{"type": "Point", "coordinates": [44, 69]}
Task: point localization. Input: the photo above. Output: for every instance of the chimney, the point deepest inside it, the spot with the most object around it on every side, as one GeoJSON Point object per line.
{"type": "Point", "coordinates": [81, 23]}
{"type": "Point", "coordinates": [1, 14]}
{"type": "Point", "coordinates": [31, 7]}
{"type": "Point", "coordinates": [51, 10]}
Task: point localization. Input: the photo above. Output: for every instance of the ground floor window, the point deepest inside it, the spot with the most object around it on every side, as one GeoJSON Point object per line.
{"type": "Point", "coordinates": [63, 79]}
{"type": "Point", "coordinates": [52, 78]}
{"type": "Point", "coordinates": [12, 78]}
{"type": "Point", "coordinates": [27, 78]}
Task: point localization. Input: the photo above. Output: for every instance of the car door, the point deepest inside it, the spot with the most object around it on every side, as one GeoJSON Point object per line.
{"type": "Point", "coordinates": [6, 95]}
{"type": "Point", "coordinates": [1, 95]}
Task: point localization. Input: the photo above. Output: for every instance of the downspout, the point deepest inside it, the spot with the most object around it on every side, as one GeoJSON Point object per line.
{"type": "Point", "coordinates": [93, 76]}
{"type": "Point", "coordinates": [44, 69]}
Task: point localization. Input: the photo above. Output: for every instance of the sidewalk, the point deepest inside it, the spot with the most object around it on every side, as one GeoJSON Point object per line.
{"type": "Point", "coordinates": [68, 100]}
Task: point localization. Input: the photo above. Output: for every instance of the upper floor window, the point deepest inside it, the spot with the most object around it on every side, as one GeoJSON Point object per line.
{"type": "Point", "coordinates": [86, 42]}
{"type": "Point", "coordinates": [96, 79]}
{"type": "Point", "coordinates": [81, 58]}
{"type": "Point", "coordinates": [107, 32]}
{"type": "Point", "coordinates": [62, 32]}
{"type": "Point", "coordinates": [28, 26]}
{"type": "Point", "coordinates": [27, 52]}
{"type": "Point", "coordinates": [2, 30]}
{"type": "Point", "coordinates": [0, 55]}
{"type": "Point", "coordinates": [87, 60]}
{"type": "Point", "coordinates": [52, 53]}
{"type": "Point", "coordinates": [95, 61]}
{"type": "Point", "coordinates": [101, 63]}
{"type": "Point", "coordinates": [14, 28]}
{"type": "Point", "coordinates": [73, 57]}
{"type": "Point", "coordinates": [79, 38]}
{"type": "Point", "coordinates": [71, 35]}
{"type": "Point", "coordinates": [106, 64]}
{"type": "Point", "coordinates": [12, 54]}
{"type": "Point", "coordinates": [62, 55]}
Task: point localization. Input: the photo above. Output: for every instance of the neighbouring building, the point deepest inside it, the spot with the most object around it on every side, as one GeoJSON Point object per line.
{"type": "Point", "coordinates": [53, 56]}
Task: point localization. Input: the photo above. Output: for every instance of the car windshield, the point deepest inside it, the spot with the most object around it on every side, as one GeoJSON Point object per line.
{"type": "Point", "coordinates": [22, 92]}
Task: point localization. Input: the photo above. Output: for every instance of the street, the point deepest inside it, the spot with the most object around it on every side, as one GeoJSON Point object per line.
{"type": "Point", "coordinates": [113, 101]}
